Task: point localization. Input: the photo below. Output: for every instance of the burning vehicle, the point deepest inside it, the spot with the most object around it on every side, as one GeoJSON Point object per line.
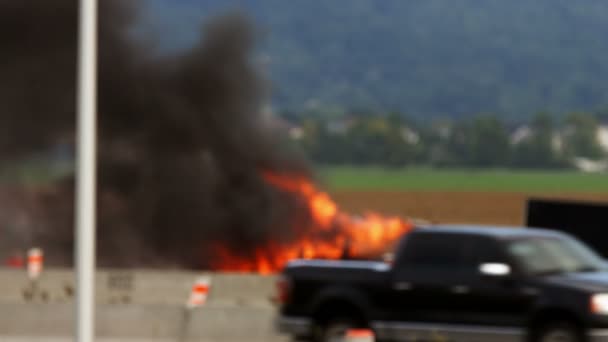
{"type": "Point", "coordinates": [331, 234]}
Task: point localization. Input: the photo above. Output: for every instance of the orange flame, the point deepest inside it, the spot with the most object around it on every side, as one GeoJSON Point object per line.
{"type": "Point", "coordinates": [332, 234]}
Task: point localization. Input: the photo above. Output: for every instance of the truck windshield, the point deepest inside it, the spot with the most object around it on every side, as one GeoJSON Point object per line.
{"type": "Point", "coordinates": [551, 255]}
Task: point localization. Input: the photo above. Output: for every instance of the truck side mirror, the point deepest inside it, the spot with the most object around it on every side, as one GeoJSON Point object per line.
{"type": "Point", "coordinates": [493, 269]}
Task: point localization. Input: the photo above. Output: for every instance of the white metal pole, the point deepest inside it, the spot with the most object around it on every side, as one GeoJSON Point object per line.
{"type": "Point", "coordinates": [86, 172]}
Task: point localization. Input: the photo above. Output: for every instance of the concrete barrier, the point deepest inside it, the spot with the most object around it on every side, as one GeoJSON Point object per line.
{"type": "Point", "coordinates": [140, 321]}
{"type": "Point", "coordinates": [146, 287]}
{"type": "Point", "coordinates": [139, 305]}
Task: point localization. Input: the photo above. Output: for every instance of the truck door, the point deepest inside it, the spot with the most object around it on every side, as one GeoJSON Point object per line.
{"type": "Point", "coordinates": [427, 274]}
{"type": "Point", "coordinates": [490, 299]}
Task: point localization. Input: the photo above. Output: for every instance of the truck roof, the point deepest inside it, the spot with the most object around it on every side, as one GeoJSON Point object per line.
{"type": "Point", "coordinates": [500, 232]}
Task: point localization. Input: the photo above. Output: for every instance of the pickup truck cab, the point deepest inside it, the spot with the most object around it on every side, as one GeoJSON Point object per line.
{"type": "Point", "coordinates": [455, 283]}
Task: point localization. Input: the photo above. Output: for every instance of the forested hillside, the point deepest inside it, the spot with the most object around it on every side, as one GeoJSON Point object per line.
{"type": "Point", "coordinates": [421, 57]}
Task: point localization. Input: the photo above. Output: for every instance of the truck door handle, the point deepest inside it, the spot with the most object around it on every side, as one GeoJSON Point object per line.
{"type": "Point", "coordinates": [402, 286]}
{"type": "Point", "coordinates": [459, 289]}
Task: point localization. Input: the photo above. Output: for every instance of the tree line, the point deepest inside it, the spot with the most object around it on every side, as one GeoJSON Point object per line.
{"type": "Point", "coordinates": [483, 141]}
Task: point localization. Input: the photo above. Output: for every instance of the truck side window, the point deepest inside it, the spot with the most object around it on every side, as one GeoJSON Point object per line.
{"type": "Point", "coordinates": [480, 250]}
{"type": "Point", "coordinates": [433, 250]}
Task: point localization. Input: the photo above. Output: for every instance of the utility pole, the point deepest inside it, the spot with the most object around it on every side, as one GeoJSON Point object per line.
{"type": "Point", "coordinates": [85, 211]}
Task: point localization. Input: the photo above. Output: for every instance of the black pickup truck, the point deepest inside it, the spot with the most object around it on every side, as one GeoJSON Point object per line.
{"type": "Point", "coordinates": [454, 283]}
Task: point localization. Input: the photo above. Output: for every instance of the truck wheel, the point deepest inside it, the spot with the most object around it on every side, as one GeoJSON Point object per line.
{"type": "Point", "coordinates": [561, 332]}
{"type": "Point", "coordinates": [335, 330]}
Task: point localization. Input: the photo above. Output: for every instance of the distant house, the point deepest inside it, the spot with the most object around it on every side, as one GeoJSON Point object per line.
{"type": "Point", "coordinates": [589, 165]}
{"type": "Point", "coordinates": [525, 132]}
{"type": "Point", "coordinates": [602, 137]}
{"type": "Point", "coordinates": [410, 136]}
{"type": "Point", "coordinates": [296, 132]}
{"type": "Point", "coordinates": [557, 142]}
{"type": "Point", "coordinates": [520, 134]}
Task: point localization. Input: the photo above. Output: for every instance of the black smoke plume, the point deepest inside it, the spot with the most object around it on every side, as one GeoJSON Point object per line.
{"type": "Point", "coordinates": [182, 139]}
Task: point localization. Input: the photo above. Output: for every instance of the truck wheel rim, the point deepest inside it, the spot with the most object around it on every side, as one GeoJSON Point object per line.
{"type": "Point", "coordinates": [336, 333]}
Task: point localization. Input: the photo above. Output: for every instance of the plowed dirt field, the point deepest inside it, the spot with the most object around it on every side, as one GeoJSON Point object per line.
{"type": "Point", "coordinates": [506, 208]}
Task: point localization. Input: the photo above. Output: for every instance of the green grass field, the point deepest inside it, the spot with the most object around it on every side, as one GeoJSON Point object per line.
{"type": "Point", "coordinates": [351, 178]}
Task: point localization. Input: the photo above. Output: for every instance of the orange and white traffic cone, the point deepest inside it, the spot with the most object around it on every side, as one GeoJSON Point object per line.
{"type": "Point", "coordinates": [35, 261]}
{"type": "Point", "coordinates": [200, 292]}
{"type": "Point", "coordinates": [359, 335]}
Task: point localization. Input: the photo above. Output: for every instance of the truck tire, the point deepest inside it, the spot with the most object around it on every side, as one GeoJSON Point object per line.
{"type": "Point", "coordinates": [559, 332]}
{"type": "Point", "coordinates": [335, 329]}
